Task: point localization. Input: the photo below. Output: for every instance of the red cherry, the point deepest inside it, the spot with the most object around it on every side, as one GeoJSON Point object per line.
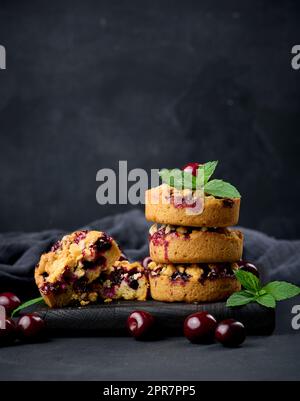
{"type": "Point", "coordinates": [248, 267]}
{"type": "Point", "coordinates": [10, 301]}
{"type": "Point", "coordinates": [230, 333]}
{"type": "Point", "coordinates": [140, 324]}
{"type": "Point", "coordinates": [30, 326]}
{"type": "Point", "coordinates": [8, 334]}
{"type": "Point", "coordinates": [146, 261]}
{"type": "Point", "coordinates": [191, 168]}
{"type": "Point", "coordinates": [200, 327]}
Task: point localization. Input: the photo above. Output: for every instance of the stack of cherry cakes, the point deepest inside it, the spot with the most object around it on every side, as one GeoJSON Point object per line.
{"type": "Point", "coordinates": [194, 256]}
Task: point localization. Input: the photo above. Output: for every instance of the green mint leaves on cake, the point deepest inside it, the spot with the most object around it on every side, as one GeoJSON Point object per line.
{"type": "Point", "coordinates": [209, 169]}
{"type": "Point", "coordinates": [198, 176]}
{"type": "Point", "coordinates": [222, 189]}
{"type": "Point", "coordinates": [178, 179]}
{"type": "Point", "coordinates": [254, 291]}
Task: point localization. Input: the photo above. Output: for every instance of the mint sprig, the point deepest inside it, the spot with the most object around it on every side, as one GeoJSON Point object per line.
{"type": "Point", "coordinates": [221, 189]}
{"type": "Point", "coordinates": [209, 169]}
{"type": "Point", "coordinates": [254, 291]}
{"type": "Point", "coordinates": [27, 304]}
{"type": "Point", "coordinates": [249, 281]}
{"type": "Point", "coordinates": [185, 180]}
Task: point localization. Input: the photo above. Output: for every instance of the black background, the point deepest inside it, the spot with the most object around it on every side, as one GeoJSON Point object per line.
{"type": "Point", "coordinates": [157, 83]}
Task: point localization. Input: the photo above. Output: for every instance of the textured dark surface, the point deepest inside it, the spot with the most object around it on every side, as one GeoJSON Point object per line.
{"type": "Point", "coordinates": [260, 358]}
{"type": "Point", "coordinates": [110, 319]}
{"type": "Point", "coordinates": [157, 83]}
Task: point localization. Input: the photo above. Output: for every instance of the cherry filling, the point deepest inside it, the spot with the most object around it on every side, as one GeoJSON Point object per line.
{"type": "Point", "coordinates": [80, 235]}
{"type": "Point", "coordinates": [68, 277]}
{"type": "Point", "coordinates": [159, 239]}
{"type": "Point", "coordinates": [93, 265]}
{"type": "Point", "coordinates": [220, 270]}
{"type": "Point", "coordinates": [82, 285]}
{"type": "Point", "coordinates": [180, 202]}
{"type": "Point", "coordinates": [180, 276]}
{"type": "Point", "coordinates": [134, 284]}
{"type": "Point", "coordinates": [53, 288]}
{"type": "Point", "coordinates": [117, 276]}
{"type": "Point", "coordinates": [227, 202]}
{"type": "Point", "coordinates": [59, 286]}
{"type": "Point", "coordinates": [96, 250]}
{"type": "Point", "coordinates": [103, 244]}
{"type": "Point", "coordinates": [57, 246]}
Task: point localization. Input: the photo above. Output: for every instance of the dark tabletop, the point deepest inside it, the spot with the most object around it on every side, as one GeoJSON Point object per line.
{"type": "Point", "coordinates": [274, 357]}
{"type": "Point", "coordinates": [107, 358]}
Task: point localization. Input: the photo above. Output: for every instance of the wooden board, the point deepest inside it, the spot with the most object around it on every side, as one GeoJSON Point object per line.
{"type": "Point", "coordinates": [110, 319]}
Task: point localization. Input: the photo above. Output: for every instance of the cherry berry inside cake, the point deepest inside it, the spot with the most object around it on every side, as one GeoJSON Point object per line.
{"type": "Point", "coordinates": [180, 244]}
{"type": "Point", "coordinates": [124, 280]}
{"type": "Point", "coordinates": [205, 282]}
{"type": "Point", "coordinates": [66, 273]}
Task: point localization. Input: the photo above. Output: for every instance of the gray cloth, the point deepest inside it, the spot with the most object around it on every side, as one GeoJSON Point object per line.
{"type": "Point", "coordinates": [19, 252]}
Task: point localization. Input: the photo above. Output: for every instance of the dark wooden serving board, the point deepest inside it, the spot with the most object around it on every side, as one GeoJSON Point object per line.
{"type": "Point", "coordinates": [110, 319]}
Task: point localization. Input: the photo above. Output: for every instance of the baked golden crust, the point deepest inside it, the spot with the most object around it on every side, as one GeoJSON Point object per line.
{"type": "Point", "coordinates": [217, 212]}
{"type": "Point", "coordinates": [124, 280]}
{"type": "Point", "coordinates": [192, 283]}
{"type": "Point", "coordinates": [63, 274]}
{"type": "Point", "coordinates": [188, 245]}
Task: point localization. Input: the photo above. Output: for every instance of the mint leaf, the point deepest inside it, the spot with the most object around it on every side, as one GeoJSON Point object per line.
{"type": "Point", "coordinates": [209, 169]}
{"type": "Point", "coordinates": [240, 298]}
{"type": "Point", "coordinates": [183, 180]}
{"type": "Point", "coordinates": [281, 290]}
{"type": "Point", "coordinates": [180, 179]}
{"type": "Point", "coordinates": [177, 178]}
{"type": "Point", "coordinates": [27, 304]}
{"type": "Point", "coordinates": [248, 280]}
{"type": "Point", "coordinates": [266, 300]}
{"type": "Point", "coordinates": [254, 292]}
{"type": "Point", "coordinates": [221, 189]}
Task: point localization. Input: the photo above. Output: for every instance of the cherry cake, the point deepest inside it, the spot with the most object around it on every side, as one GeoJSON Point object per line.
{"type": "Point", "coordinates": [69, 272]}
